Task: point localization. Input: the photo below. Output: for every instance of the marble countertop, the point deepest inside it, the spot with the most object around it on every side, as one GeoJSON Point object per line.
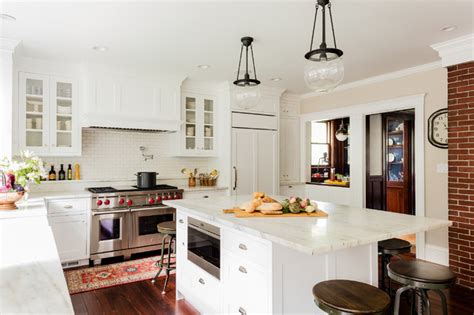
{"type": "Point", "coordinates": [31, 276]}
{"type": "Point", "coordinates": [343, 228]}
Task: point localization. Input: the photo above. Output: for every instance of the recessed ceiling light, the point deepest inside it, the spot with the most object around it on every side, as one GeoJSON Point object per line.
{"type": "Point", "coordinates": [100, 48]}
{"type": "Point", "coordinates": [275, 79]}
{"type": "Point", "coordinates": [449, 28]}
{"type": "Point", "coordinates": [7, 17]}
{"type": "Point", "coordinates": [203, 66]}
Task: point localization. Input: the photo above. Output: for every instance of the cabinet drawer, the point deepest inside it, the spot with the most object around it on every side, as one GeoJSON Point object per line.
{"type": "Point", "coordinates": [248, 290]}
{"type": "Point", "coordinates": [64, 206]}
{"type": "Point", "coordinates": [204, 287]}
{"type": "Point", "coordinates": [246, 248]}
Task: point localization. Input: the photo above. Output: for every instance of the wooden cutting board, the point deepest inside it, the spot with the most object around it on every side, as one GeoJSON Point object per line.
{"type": "Point", "coordinates": [238, 213]}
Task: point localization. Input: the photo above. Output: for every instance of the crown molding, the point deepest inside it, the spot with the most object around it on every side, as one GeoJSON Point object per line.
{"type": "Point", "coordinates": [456, 51]}
{"type": "Point", "coordinates": [8, 44]}
{"type": "Point", "coordinates": [379, 78]}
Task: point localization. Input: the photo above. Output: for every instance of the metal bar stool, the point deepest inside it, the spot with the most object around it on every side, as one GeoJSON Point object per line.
{"type": "Point", "coordinates": [345, 297]}
{"type": "Point", "coordinates": [169, 230]}
{"type": "Point", "coordinates": [420, 277]}
{"type": "Point", "coordinates": [392, 247]}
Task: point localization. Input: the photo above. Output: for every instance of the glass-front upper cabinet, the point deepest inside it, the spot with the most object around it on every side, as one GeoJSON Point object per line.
{"type": "Point", "coordinates": [395, 149]}
{"type": "Point", "coordinates": [198, 134]}
{"type": "Point", "coordinates": [48, 115]}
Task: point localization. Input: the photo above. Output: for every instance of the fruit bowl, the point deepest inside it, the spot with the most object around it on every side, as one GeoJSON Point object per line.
{"type": "Point", "coordinates": [8, 199]}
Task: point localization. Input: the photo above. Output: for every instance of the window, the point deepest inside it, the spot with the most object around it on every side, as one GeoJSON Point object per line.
{"type": "Point", "coordinates": [319, 144]}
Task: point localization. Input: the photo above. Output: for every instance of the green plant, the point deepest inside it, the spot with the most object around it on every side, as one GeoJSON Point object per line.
{"type": "Point", "coordinates": [29, 169]}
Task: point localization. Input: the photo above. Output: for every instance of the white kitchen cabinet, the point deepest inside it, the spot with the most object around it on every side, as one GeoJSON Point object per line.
{"type": "Point", "coordinates": [121, 101]}
{"type": "Point", "coordinates": [71, 236]}
{"type": "Point", "coordinates": [289, 149]}
{"type": "Point", "coordinates": [189, 194]}
{"type": "Point", "coordinates": [254, 161]}
{"type": "Point", "coordinates": [198, 134]}
{"type": "Point", "coordinates": [48, 115]}
{"type": "Point", "coordinates": [293, 190]}
{"type": "Point", "coordinates": [69, 219]}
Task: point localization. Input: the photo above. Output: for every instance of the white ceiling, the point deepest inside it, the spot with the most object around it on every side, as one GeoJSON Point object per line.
{"type": "Point", "coordinates": [173, 37]}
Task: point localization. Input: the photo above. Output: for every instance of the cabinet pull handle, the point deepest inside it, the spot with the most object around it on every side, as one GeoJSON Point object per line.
{"type": "Point", "coordinates": [67, 207]}
{"type": "Point", "coordinates": [180, 221]}
{"type": "Point", "coordinates": [201, 281]}
{"type": "Point", "coordinates": [205, 196]}
{"type": "Point", "coordinates": [242, 269]}
{"type": "Point", "coordinates": [242, 246]}
{"type": "Point", "coordinates": [242, 311]}
{"type": "Point", "coordinates": [235, 178]}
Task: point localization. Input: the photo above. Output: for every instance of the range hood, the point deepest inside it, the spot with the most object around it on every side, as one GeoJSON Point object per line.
{"type": "Point", "coordinates": [130, 123]}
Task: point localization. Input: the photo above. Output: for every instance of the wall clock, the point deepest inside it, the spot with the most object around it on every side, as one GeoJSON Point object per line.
{"type": "Point", "coordinates": [438, 128]}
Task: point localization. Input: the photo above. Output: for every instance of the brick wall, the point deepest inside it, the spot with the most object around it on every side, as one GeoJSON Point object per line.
{"type": "Point", "coordinates": [461, 171]}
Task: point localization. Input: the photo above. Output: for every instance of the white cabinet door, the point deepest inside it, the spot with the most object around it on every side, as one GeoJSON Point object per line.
{"type": "Point", "coordinates": [198, 134]}
{"type": "Point", "coordinates": [289, 149]}
{"type": "Point", "coordinates": [34, 113]}
{"type": "Point", "coordinates": [48, 115]}
{"type": "Point", "coordinates": [254, 160]}
{"type": "Point", "coordinates": [71, 234]}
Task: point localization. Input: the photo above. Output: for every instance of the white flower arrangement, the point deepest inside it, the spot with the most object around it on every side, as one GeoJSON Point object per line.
{"type": "Point", "coordinates": [17, 174]}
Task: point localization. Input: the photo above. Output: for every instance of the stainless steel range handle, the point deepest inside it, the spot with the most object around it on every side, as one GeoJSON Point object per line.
{"type": "Point", "coordinates": [109, 212]}
{"type": "Point", "coordinates": [242, 311]}
{"type": "Point", "coordinates": [149, 208]}
{"type": "Point", "coordinates": [235, 178]}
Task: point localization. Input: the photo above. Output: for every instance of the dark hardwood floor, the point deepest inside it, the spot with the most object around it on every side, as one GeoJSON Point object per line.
{"type": "Point", "coordinates": [135, 298]}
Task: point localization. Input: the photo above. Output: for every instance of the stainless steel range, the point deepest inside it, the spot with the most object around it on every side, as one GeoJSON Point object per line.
{"type": "Point", "coordinates": [124, 219]}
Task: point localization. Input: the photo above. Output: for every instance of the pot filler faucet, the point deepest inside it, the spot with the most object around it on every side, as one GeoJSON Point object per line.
{"type": "Point", "coordinates": [146, 157]}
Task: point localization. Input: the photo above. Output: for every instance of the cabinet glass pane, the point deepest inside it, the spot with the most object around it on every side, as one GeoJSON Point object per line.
{"type": "Point", "coordinates": [190, 143]}
{"type": "Point", "coordinates": [34, 113]}
{"type": "Point", "coordinates": [208, 105]}
{"type": "Point", "coordinates": [208, 118]}
{"type": "Point", "coordinates": [64, 114]}
{"type": "Point", "coordinates": [208, 144]}
{"type": "Point", "coordinates": [395, 150]}
{"type": "Point", "coordinates": [190, 103]}
{"type": "Point", "coordinates": [190, 116]}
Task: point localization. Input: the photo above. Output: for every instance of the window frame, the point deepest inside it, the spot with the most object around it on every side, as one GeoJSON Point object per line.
{"type": "Point", "coordinates": [327, 143]}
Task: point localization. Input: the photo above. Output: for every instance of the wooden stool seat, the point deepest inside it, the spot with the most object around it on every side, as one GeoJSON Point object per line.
{"type": "Point", "coordinates": [394, 246]}
{"type": "Point", "coordinates": [421, 273]}
{"type": "Point", "coordinates": [168, 227]}
{"type": "Point", "coordinates": [350, 297]}
{"type": "Point", "coordinates": [419, 277]}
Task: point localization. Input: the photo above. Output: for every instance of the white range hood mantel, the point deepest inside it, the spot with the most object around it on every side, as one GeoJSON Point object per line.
{"type": "Point", "coordinates": [131, 102]}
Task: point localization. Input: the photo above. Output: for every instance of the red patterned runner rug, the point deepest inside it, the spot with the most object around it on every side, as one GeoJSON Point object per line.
{"type": "Point", "coordinates": [99, 277]}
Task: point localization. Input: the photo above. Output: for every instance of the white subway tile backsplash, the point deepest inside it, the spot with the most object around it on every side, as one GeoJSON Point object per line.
{"type": "Point", "coordinates": [115, 155]}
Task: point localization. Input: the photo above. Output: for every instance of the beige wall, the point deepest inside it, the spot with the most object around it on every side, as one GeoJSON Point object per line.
{"type": "Point", "coordinates": [434, 84]}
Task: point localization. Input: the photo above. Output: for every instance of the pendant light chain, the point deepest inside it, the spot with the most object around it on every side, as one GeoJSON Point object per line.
{"type": "Point", "coordinates": [314, 27]}
{"type": "Point", "coordinates": [332, 25]}
{"type": "Point", "coordinates": [253, 62]}
{"type": "Point", "coordinates": [240, 61]}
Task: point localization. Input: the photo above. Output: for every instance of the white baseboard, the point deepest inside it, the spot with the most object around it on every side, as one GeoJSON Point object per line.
{"type": "Point", "coordinates": [437, 254]}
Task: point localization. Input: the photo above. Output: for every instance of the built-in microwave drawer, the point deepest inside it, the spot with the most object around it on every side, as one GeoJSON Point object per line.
{"type": "Point", "coordinates": [62, 206]}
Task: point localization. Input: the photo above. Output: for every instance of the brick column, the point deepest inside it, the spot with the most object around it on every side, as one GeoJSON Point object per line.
{"type": "Point", "coordinates": [461, 171]}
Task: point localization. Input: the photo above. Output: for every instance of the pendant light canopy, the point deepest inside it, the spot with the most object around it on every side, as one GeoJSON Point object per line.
{"type": "Point", "coordinates": [341, 133]}
{"type": "Point", "coordinates": [325, 68]}
{"type": "Point", "coordinates": [247, 93]}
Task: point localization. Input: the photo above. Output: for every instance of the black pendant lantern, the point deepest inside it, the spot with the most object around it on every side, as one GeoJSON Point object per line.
{"type": "Point", "coordinates": [246, 94]}
{"type": "Point", "coordinates": [325, 69]}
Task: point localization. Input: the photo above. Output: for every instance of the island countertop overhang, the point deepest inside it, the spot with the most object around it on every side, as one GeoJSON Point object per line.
{"type": "Point", "coordinates": [343, 228]}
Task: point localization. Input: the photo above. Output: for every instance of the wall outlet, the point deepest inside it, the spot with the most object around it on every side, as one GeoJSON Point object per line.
{"type": "Point", "coordinates": [442, 168]}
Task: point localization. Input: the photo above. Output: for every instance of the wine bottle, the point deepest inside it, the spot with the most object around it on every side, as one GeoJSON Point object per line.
{"type": "Point", "coordinates": [52, 173]}
{"type": "Point", "coordinates": [62, 173]}
{"type": "Point", "coordinates": [69, 172]}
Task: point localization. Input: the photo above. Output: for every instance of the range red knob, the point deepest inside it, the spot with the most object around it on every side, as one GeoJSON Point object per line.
{"type": "Point", "coordinates": [178, 196]}
{"type": "Point", "coordinates": [129, 202]}
{"type": "Point", "coordinates": [121, 201]}
{"type": "Point", "coordinates": [151, 201]}
{"type": "Point", "coordinates": [158, 199]}
{"type": "Point", "coordinates": [165, 197]}
{"type": "Point", "coordinates": [107, 202]}
{"type": "Point", "coordinates": [99, 202]}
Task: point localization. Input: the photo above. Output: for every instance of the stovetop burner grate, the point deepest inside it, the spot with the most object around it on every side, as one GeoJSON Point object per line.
{"type": "Point", "coordinates": [101, 190]}
{"type": "Point", "coordinates": [157, 187]}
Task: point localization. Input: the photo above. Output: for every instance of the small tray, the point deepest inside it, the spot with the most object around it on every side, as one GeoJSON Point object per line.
{"type": "Point", "coordinates": [239, 213]}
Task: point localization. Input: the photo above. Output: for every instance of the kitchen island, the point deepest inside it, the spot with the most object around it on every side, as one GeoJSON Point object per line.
{"type": "Point", "coordinates": [269, 265]}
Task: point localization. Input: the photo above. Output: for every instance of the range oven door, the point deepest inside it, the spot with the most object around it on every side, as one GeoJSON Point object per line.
{"type": "Point", "coordinates": [144, 221]}
{"type": "Point", "coordinates": [204, 246]}
{"type": "Point", "coordinates": [109, 230]}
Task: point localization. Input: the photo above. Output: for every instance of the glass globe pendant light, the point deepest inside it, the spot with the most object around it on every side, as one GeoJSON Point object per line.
{"type": "Point", "coordinates": [247, 93]}
{"type": "Point", "coordinates": [341, 133]}
{"type": "Point", "coordinates": [325, 68]}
